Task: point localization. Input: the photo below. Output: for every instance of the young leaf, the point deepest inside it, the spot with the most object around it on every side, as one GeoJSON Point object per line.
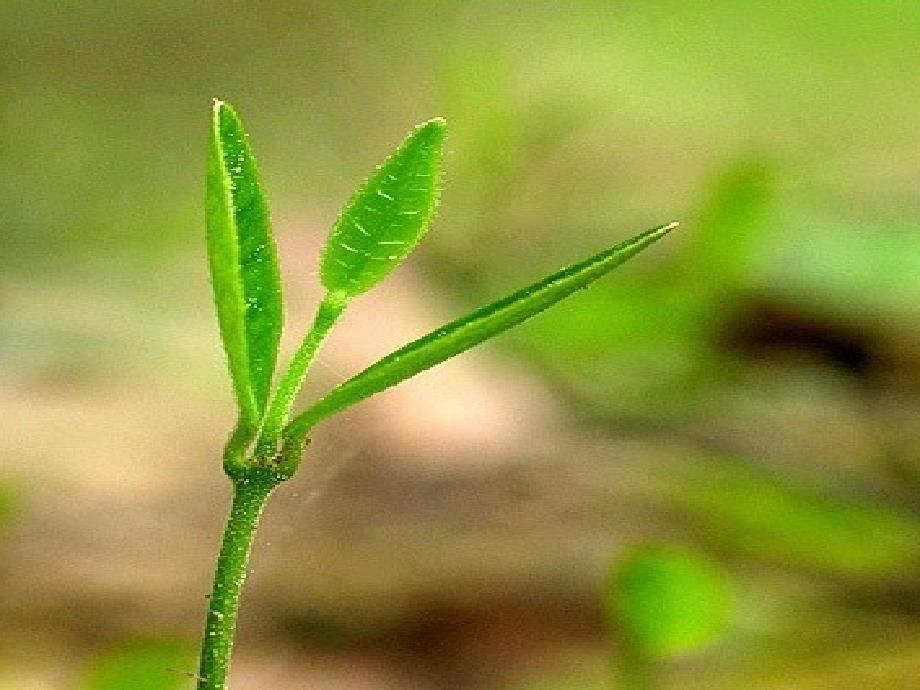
{"type": "Point", "coordinates": [470, 330]}
{"type": "Point", "coordinates": [244, 263]}
{"type": "Point", "coordinates": [386, 217]}
{"type": "Point", "coordinates": [667, 601]}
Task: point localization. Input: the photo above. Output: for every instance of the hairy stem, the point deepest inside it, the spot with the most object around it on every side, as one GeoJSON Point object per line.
{"type": "Point", "coordinates": [330, 309]}
{"type": "Point", "coordinates": [249, 497]}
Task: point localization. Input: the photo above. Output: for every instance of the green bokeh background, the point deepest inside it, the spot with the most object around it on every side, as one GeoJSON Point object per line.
{"type": "Point", "coordinates": [750, 388]}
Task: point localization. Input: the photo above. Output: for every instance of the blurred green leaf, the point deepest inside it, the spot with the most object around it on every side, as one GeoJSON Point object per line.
{"type": "Point", "coordinates": [387, 216]}
{"type": "Point", "coordinates": [667, 601]}
{"type": "Point", "coordinates": [757, 514]}
{"type": "Point", "coordinates": [862, 271]}
{"type": "Point", "coordinates": [730, 229]}
{"type": "Point", "coordinates": [470, 330]}
{"type": "Point", "coordinates": [142, 665]}
{"type": "Point", "coordinates": [244, 263]}
{"type": "Point", "coordinates": [657, 334]}
{"type": "Point", "coordinates": [477, 89]}
{"type": "Point", "coordinates": [9, 502]}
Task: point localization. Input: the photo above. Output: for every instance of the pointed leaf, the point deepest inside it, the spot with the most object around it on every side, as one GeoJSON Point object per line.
{"type": "Point", "coordinates": [470, 330]}
{"type": "Point", "coordinates": [386, 217]}
{"type": "Point", "coordinates": [244, 263]}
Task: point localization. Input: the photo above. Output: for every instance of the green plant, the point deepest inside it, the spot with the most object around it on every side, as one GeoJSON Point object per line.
{"type": "Point", "coordinates": [377, 229]}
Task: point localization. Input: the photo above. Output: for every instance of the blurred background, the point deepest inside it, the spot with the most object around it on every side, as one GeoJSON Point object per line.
{"type": "Point", "coordinates": [747, 390]}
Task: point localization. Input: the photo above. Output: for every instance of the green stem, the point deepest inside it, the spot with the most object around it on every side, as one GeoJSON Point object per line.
{"type": "Point", "coordinates": [329, 311]}
{"type": "Point", "coordinates": [249, 497]}
{"type": "Point", "coordinates": [235, 450]}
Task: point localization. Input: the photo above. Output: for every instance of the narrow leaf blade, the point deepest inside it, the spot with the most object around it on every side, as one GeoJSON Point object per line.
{"type": "Point", "coordinates": [387, 216]}
{"type": "Point", "coordinates": [472, 329]}
{"type": "Point", "coordinates": [244, 263]}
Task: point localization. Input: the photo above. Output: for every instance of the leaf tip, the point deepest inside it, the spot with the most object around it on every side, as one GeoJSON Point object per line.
{"type": "Point", "coordinates": [655, 234]}
{"type": "Point", "coordinates": [224, 111]}
{"type": "Point", "coordinates": [649, 237]}
{"type": "Point", "coordinates": [218, 106]}
{"type": "Point", "coordinates": [435, 129]}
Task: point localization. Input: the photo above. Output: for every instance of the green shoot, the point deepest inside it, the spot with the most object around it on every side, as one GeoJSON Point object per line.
{"type": "Point", "coordinates": [375, 232]}
{"type": "Point", "coordinates": [244, 268]}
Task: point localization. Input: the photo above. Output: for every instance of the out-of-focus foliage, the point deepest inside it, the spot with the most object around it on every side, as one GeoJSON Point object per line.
{"type": "Point", "coordinates": [142, 664]}
{"type": "Point", "coordinates": [666, 601]}
{"type": "Point", "coordinates": [9, 501]}
{"type": "Point", "coordinates": [791, 523]}
{"type": "Point", "coordinates": [860, 270]}
{"type": "Point", "coordinates": [562, 683]}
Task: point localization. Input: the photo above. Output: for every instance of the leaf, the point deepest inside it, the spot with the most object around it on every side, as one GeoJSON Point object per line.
{"type": "Point", "coordinates": [794, 523]}
{"type": "Point", "coordinates": [141, 664]}
{"type": "Point", "coordinates": [472, 329]}
{"type": "Point", "coordinates": [667, 601]}
{"type": "Point", "coordinates": [734, 225]}
{"type": "Point", "coordinates": [244, 263]}
{"type": "Point", "coordinates": [386, 217]}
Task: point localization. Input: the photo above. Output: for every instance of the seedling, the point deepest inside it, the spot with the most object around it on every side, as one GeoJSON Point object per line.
{"type": "Point", "coordinates": [377, 229]}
